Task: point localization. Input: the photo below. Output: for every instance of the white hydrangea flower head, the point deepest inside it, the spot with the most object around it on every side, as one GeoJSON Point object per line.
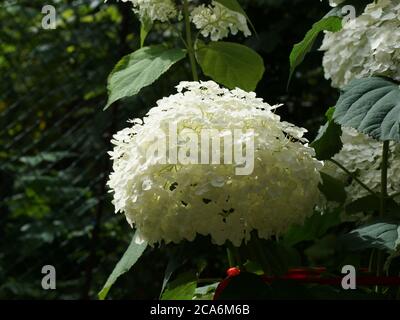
{"type": "Point", "coordinates": [362, 155]}
{"type": "Point", "coordinates": [217, 21]}
{"type": "Point", "coordinates": [161, 10]}
{"type": "Point", "coordinates": [172, 202]}
{"type": "Point", "coordinates": [367, 45]}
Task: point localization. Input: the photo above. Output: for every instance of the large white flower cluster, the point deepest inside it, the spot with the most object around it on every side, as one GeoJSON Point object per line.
{"type": "Point", "coordinates": [217, 21]}
{"type": "Point", "coordinates": [362, 155]}
{"type": "Point", "coordinates": [172, 202]}
{"type": "Point", "coordinates": [367, 45]}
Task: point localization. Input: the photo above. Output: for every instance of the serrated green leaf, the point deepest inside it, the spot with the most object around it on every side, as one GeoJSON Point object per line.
{"type": "Point", "coordinates": [328, 142]}
{"type": "Point", "coordinates": [371, 106]}
{"type": "Point", "coordinates": [130, 257]}
{"type": "Point", "coordinates": [182, 288]}
{"type": "Point", "coordinates": [299, 51]}
{"type": "Point", "coordinates": [140, 69]}
{"type": "Point", "coordinates": [231, 64]}
{"type": "Point", "coordinates": [384, 235]}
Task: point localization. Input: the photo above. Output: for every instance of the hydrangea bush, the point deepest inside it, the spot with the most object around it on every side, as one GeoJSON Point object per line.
{"type": "Point", "coordinates": [294, 192]}
{"type": "Point", "coordinates": [367, 45]}
{"type": "Point", "coordinates": [213, 199]}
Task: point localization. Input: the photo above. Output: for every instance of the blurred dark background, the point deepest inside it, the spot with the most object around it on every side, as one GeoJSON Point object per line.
{"type": "Point", "coordinates": [54, 134]}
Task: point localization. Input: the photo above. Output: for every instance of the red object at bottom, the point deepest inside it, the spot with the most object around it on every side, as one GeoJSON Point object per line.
{"type": "Point", "coordinates": [313, 276]}
{"type": "Point", "coordinates": [232, 272]}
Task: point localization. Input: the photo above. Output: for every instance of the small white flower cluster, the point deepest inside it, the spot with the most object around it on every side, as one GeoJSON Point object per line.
{"type": "Point", "coordinates": [217, 21]}
{"type": "Point", "coordinates": [335, 3]}
{"type": "Point", "coordinates": [362, 155]}
{"type": "Point", "coordinates": [161, 10]}
{"type": "Point", "coordinates": [172, 202]}
{"type": "Point", "coordinates": [214, 20]}
{"type": "Point", "coordinates": [367, 45]}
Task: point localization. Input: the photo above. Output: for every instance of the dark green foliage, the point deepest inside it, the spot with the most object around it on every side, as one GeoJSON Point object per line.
{"type": "Point", "coordinates": [54, 139]}
{"type": "Point", "coordinates": [372, 106]}
{"type": "Point", "coordinates": [328, 142]}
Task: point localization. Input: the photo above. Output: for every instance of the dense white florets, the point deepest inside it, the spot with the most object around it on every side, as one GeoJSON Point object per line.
{"type": "Point", "coordinates": [214, 20]}
{"type": "Point", "coordinates": [161, 10]}
{"type": "Point", "coordinates": [171, 202]}
{"type": "Point", "coordinates": [367, 45]}
{"type": "Point", "coordinates": [217, 21]}
{"type": "Point", "coordinates": [362, 155]}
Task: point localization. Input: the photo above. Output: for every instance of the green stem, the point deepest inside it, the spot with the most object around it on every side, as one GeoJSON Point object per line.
{"type": "Point", "coordinates": [384, 174]}
{"type": "Point", "coordinates": [371, 266]}
{"type": "Point", "coordinates": [353, 176]}
{"type": "Point", "coordinates": [260, 255]}
{"type": "Point", "coordinates": [189, 41]}
{"type": "Point", "coordinates": [179, 33]}
{"type": "Point", "coordinates": [383, 198]}
{"type": "Point", "coordinates": [238, 257]}
{"type": "Point", "coordinates": [379, 264]}
{"type": "Point", "coordinates": [230, 255]}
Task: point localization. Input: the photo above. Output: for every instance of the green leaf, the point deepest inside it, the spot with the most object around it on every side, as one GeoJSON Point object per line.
{"type": "Point", "coordinates": [145, 27]}
{"type": "Point", "coordinates": [130, 257]}
{"type": "Point", "coordinates": [176, 260]}
{"type": "Point", "coordinates": [232, 5]}
{"type": "Point", "coordinates": [372, 203]}
{"type": "Point", "coordinates": [182, 288]}
{"type": "Point", "coordinates": [332, 188]}
{"type": "Point", "coordinates": [280, 257]}
{"type": "Point", "coordinates": [371, 106]}
{"type": "Point", "coordinates": [230, 64]}
{"type": "Point", "coordinates": [299, 51]}
{"type": "Point", "coordinates": [235, 6]}
{"type": "Point", "coordinates": [369, 203]}
{"type": "Point", "coordinates": [206, 292]}
{"type": "Point", "coordinates": [313, 228]}
{"type": "Point", "coordinates": [140, 69]}
{"type": "Point", "coordinates": [253, 267]}
{"type": "Point", "coordinates": [384, 235]}
{"type": "Point", "coordinates": [328, 142]}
